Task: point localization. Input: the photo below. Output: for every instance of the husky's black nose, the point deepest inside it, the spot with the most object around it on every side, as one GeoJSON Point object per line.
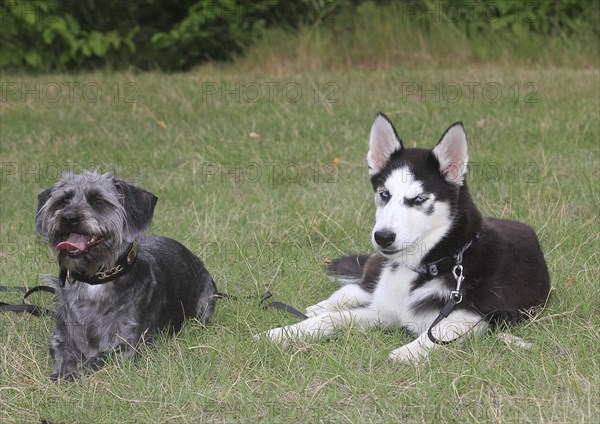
{"type": "Point", "coordinates": [384, 238]}
{"type": "Point", "coordinates": [70, 218]}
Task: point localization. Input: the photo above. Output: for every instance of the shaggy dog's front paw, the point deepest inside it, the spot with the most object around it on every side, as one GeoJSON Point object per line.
{"type": "Point", "coordinates": [70, 376]}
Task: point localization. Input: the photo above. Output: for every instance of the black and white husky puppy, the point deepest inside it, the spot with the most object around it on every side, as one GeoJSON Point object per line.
{"type": "Point", "coordinates": [435, 252]}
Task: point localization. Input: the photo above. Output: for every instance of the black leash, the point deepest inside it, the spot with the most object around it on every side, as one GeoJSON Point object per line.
{"type": "Point", "coordinates": [280, 306]}
{"type": "Point", "coordinates": [27, 307]}
{"type": "Point", "coordinates": [456, 296]}
{"type": "Point", "coordinates": [267, 295]}
{"type": "Point", "coordinates": [8, 288]}
{"type": "Point", "coordinates": [39, 311]}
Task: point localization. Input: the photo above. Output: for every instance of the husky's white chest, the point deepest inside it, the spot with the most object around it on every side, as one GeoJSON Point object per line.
{"type": "Point", "coordinates": [395, 298]}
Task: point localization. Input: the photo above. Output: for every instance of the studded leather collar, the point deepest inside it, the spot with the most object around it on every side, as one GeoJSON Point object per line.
{"type": "Point", "coordinates": [122, 266]}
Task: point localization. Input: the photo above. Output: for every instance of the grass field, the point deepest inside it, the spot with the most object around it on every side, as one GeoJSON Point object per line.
{"type": "Point", "coordinates": [265, 210]}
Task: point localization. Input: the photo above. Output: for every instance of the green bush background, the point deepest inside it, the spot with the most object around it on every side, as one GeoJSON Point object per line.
{"type": "Point", "coordinates": [62, 35]}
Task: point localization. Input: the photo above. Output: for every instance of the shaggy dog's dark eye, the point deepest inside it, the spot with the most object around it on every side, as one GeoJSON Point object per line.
{"type": "Point", "coordinates": [96, 201]}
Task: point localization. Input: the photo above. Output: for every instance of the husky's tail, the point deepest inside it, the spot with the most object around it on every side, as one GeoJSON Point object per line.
{"type": "Point", "coordinates": [347, 269]}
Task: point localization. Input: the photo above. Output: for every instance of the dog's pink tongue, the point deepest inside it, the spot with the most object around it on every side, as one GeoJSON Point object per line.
{"type": "Point", "coordinates": [74, 242]}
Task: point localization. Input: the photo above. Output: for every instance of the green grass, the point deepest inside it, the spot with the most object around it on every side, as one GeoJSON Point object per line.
{"type": "Point", "coordinates": [532, 161]}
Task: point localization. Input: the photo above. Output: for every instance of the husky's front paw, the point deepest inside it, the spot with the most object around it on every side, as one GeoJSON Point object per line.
{"type": "Point", "coordinates": [275, 335]}
{"type": "Point", "coordinates": [319, 308]}
{"type": "Point", "coordinates": [409, 352]}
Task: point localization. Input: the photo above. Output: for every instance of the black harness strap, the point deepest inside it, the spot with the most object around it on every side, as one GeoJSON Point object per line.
{"type": "Point", "coordinates": [445, 264]}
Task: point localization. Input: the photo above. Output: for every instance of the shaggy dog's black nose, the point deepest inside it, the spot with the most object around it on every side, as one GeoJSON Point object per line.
{"type": "Point", "coordinates": [70, 218]}
{"type": "Point", "coordinates": [384, 238]}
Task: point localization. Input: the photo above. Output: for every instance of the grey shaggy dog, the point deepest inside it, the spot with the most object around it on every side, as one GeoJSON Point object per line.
{"type": "Point", "coordinates": [116, 286]}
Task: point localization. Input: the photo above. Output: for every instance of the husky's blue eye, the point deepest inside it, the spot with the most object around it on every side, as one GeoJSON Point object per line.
{"type": "Point", "coordinates": [384, 195]}
{"type": "Point", "coordinates": [419, 200]}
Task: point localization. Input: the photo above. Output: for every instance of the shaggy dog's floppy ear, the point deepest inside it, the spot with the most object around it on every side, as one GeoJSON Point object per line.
{"type": "Point", "coordinates": [42, 199]}
{"type": "Point", "coordinates": [138, 205]}
{"type": "Point", "coordinates": [451, 153]}
{"type": "Point", "coordinates": [383, 143]}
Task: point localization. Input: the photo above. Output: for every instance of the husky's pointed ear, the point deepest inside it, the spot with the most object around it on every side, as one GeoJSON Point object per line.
{"type": "Point", "coordinates": [451, 153]}
{"type": "Point", "coordinates": [383, 142]}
